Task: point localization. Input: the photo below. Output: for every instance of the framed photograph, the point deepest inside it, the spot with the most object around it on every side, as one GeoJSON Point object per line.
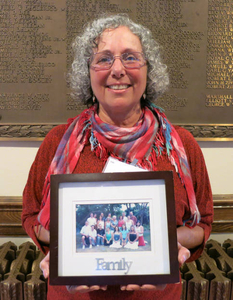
{"type": "Point", "coordinates": [113, 229]}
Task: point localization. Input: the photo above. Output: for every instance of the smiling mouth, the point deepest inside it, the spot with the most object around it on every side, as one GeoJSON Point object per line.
{"type": "Point", "coordinates": [119, 86]}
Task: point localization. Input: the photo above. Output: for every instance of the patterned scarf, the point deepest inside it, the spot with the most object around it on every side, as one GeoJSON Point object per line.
{"type": "Point", "coordinates": [143, 143]}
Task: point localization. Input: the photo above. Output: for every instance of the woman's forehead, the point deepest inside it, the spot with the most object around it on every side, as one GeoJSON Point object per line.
{"type": "Point", "coordinates": [120, 37]}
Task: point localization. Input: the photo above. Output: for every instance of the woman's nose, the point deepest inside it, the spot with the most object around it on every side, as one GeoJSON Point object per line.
{"type": "Point", "coordinates": [118, 69]}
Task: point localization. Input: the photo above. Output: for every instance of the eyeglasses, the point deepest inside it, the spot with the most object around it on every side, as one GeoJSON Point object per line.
{"type": "Point", "coordinates": [104, 60]}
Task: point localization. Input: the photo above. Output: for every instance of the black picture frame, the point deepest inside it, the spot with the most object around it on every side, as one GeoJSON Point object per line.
{"type": "Point", "coordinates": [159, 265]}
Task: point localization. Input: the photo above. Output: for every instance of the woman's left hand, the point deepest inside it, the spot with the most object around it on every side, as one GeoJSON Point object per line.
{"type": "Point", "coordinates": [84, 288]}
{"type": "Point", "coordinates": [144, 287]}
{"type": "Point", "coordinates": [183, 255]}
{"type": "Point", "coordinates": [44, 265]}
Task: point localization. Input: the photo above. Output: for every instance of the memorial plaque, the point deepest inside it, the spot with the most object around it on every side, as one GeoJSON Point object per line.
{"type": "Point", "coordinates": [35, 53]}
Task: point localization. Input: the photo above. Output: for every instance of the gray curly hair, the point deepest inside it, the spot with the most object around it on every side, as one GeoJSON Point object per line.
{"type": "Point", "coordinates": [83, 45]}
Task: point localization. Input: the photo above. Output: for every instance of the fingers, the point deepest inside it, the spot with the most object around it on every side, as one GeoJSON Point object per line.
{"type": "Point", "coordinates": [145, 287]}
{"type": "Point", "coordinates": [44, 266]}
{"type": "Point", "coordinates": [84, 288]}
{"type": "Point", "coordinates": [183, 254]}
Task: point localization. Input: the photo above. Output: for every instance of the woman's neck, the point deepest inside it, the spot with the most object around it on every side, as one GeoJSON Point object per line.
{"type": "Point", "coordinates": [120, 119]}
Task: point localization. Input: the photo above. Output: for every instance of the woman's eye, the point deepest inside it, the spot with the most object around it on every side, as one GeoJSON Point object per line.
{"type": "Point", "coordinates": [130, 57]}
{"type": "Point", "coordinates": [104, 59]}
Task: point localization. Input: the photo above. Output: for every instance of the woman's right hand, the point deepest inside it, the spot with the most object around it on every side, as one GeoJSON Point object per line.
{"type": "Point", "coordinates": [44, 265]}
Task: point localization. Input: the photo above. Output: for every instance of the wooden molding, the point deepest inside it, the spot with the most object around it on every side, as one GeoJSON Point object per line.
{"type": "Point", "coordinates": [37, 132]}
{"type": "Point", "coordinates": [10, 216]}
{"type": "Point", "coordinates": [11, 209]}
{"type": "Point", "coordinates": [223, 213]}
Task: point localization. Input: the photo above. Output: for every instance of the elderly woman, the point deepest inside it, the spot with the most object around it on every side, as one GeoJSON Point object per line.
{"type": "Point", "coordinates": [117, 71]}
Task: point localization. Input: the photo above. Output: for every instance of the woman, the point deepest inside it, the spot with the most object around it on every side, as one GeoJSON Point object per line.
{"type": "Point", "coordinates": [128, 223]}
{"type": "Point", "coordinates": [100, 222]}
{"type": "Point", "coordinates": [116, 238]}
{"type": "Point", "coordinates": [117, 71]}
{"type": "Point", "coordinates": [132, 239]}
{"type": "Point", "coordinates": [108, 237]}
{"type": "Point", "coordinates": [114, 223]}
{"type": "Point", "coordinates": [140, 231]}
{"type": "Point", "coordinates": [124, 233]}
{"type": "Point", "coordinates": [120, 222]}
{"type": "Point", "coordinates": [107, 223]}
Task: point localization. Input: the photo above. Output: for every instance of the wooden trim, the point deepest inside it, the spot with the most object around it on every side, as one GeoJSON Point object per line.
{"type": "Point", "coordinates": [11, 209]}
{"type": "Point", "coordinates": [37, 132]}
{"type": "Point", "coordinates": [10, 216]}
{"type": "Point", "coordinates": [223, 213]}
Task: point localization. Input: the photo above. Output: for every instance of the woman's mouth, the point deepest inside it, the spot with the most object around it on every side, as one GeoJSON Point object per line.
{"type": "Point", "coordinates": [119, 86]}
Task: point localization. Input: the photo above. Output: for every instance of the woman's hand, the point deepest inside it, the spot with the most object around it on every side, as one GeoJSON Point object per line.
{"type": "Point", "coordinates": [44, 265]}
{"type": "Point", "coordinates": [144, 287]}
{"type": "Point", "coordinates": [84, 288]}
{"type": "Point", "coordinates": [183, 255]}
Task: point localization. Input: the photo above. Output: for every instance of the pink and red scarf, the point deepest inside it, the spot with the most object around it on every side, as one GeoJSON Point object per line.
{"type": "Point", "coordinates": [144, 143]}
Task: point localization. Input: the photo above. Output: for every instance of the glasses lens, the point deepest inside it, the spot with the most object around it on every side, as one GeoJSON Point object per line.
{"type": "Point", "coordinates": [102, 60]}
{"type": "Point", "coordinates": [133, 60]}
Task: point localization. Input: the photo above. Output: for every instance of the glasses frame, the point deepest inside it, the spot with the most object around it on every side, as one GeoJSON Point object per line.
{"type": "Point", "coordinates": [114, 58]}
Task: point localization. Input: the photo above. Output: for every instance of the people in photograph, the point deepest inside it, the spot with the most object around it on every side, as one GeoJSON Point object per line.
{"type": "Point", "coordinates": [92, 236]}
{"type": "Point", "coordinates": [124, 216]}
{"type": "Point", "coordinates": [95, 216]}
{"type": "Point", "coordinates": [108, 237]}
{"type": "Point", "coordinates": [100, 222]}
{"type": "Point", "coordinates": [110, 216]}
{"type": "Point", "coordinates": [116, 238]}
{"type": "Point", "coordinates": [114, 223]}
{"type": "Point", "coordinates": [85, 230]}
{"type": "Point", "coordinates": [132, 239]}
{"type": "Point", "coordinates": [133, 218]}
{"type": "Point", "coordinates": [91, 220]}
{"type": "Point", "coordinates": [140, 230]}
{"type": "Point", "coordinates": [118, 74]}
{"type": "Point", "coordinates": [120, 222]}
{"type": "Point", "coordinates": [124, 233]}
{"type": "Point", "coordinates": [107, 223]}
{"type": "Point", "coordinates": [129, 223]}
{"type": "Point", "coordinates": [100, 235]}
{"type": "Point", "coordinates": [102, 216]}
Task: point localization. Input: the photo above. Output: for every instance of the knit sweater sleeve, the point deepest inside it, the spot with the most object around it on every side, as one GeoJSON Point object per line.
{"type": "Point", "coordinates": [32, 194]}
{"type": "Point", "coordinates": [201, 185]}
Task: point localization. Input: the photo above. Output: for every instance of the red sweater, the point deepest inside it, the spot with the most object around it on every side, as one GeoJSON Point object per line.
{"type": "Point", "coordinates": [89, 163]}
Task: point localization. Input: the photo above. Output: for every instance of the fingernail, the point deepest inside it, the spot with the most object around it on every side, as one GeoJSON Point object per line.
{"type": "Point", "coordinates": [184, 259]}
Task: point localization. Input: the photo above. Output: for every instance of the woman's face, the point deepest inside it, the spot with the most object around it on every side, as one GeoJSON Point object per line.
{"type": "Point", "coordinates": [118, 90]}
{"type": "Point", "coordinates": [132, 228]}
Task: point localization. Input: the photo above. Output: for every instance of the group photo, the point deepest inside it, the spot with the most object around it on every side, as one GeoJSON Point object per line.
{"type": "Point", "coordinates": [113, 227]}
